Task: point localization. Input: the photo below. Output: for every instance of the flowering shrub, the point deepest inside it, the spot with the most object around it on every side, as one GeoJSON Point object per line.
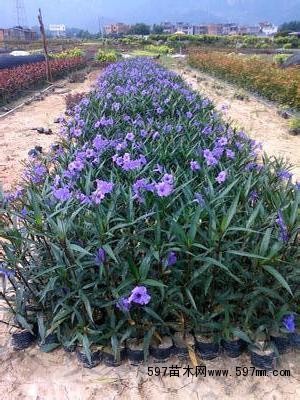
{"type": "Point", "coordinates": [106, 56]}
{"type": "Point", "coordinates": [256, 75]}
{"type": "Point", "coordinates": [150, 216]}
{"type": "Point", "coordinates": [16, 79]}
{"type": "Point", "coordinates": [70, 53]}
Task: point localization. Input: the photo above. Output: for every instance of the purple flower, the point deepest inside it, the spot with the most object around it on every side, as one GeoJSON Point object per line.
{"type": "Point", "coordinates": [62, 194]}
{"type": "Point", "coordinates": [76, 166]}
{"type": "Point", "coordinates": [159, 110]}
{"type": "Point", "coordinates": [123, 304]}
{"type": "Point", "coordinates": [230, 154]}
{"type": "Point", "coordinates": [253, 197]}
{"type": "Point", "coordinates": [284, 174]}
{"type": "Point", "coordinates": [209, 158]}
{"type": "Point", "coordinates": [130, 136]}
{"type": "Point", "coordinates": [100, 256]}
{"type": "Point", "coordinates": [139, 295]}
{"type": "Point", "coordinates": [163, 189]}
{"type": "Point", "coordinates": [156, 135]}
{"type": "Point", "coordinates": [222, 141]}
{"type": "Point", "coordinates": [5, 272]}
{"type": "Point", "coordinates": [189, 115]}
{"type": "Point", "coordinates": [221, 178]}
{"type": "Point", "coordinates": [199, 199]}
{"type": "Point", "coordinates": [168, 178]}
{"type": "Point", "coordinates": [171, 259]}
{"type": "Point", "coordinates": [195, 166]}
{"type": "Point", "coordinates": [104, 186]}
{"type": "Point", "coordinates": [283, 230]}
{"type": "Point", "coordinates": [289, 323]}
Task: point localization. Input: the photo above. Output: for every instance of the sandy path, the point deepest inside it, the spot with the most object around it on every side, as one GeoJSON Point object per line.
{"type": "Point", "coordinates": [258, 118]}
{"type": "Point", "coordinates": [17, 136]}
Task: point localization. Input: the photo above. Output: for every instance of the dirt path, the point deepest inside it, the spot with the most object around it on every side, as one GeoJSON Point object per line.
{"type": "Point", "coordinates": [258, 118]}
{"type": "Point", "coordinates": [17, 136]}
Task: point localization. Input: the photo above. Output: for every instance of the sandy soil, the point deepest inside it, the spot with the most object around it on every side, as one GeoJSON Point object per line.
{"type": "Point", "coordinates": [258, 118]}
{"type": "Point", "coordinates": [17, 136]}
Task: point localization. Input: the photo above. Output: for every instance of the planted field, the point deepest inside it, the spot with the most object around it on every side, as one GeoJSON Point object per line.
{"type": "Point", "coordinates": [256, 75]}
{"type": "Point", "coordinates": [152, 219]}
{"type": "Point", "coordinates": [13, 81]}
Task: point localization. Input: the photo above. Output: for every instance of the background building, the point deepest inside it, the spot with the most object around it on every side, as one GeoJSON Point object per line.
{"type": "Point", "coordinates": [117, 29]}
{"type": "Point", "coordinates": [17, 34]}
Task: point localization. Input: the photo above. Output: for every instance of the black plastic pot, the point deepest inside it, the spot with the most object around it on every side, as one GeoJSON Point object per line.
{"type": "Point", "coordinates": [234, 348]}
{"type": "Point", "coordinates": [163, 350]}
{"type": "Point", "coordinates": [109, 358]}
{"type": "Point", "coordinates": [294, 339]}
{"type": "Point", "coordinates": [181, 344]}
{"type": "Point", "coordinates": [208, 351]}
{"type": "Point", "coordinates": [263, 361]}
{"type": "Point", "coordinates": [135, 351]}
{"type": "Point", "coordinates": [22, 340]}
{"type": "Point", "coordinates": [282, 343]}
{"type": "Point", "coordinates": [96, 358]}
{"type": "Point", "coordinates": [69, 349]}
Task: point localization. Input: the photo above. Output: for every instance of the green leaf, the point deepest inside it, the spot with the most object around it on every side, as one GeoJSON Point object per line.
{"type": "Point", "coordinates": [110, 252]}
{"type": "Point", "coordinates": [190, 296]}
{"type": "Point", "coordinates": [278, 277]}
{"type": "Point", "coordinates": [230, 214]}
{"type": "Point", "coordinates": [22, 321]}
{"type": "Point", "coordinates": [152, 282]}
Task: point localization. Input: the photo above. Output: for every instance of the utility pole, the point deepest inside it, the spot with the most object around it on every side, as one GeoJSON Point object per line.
{"type": "Point", "coordinates": [42, 29]}
{"type": "Point", "coordinates": [21, 13]}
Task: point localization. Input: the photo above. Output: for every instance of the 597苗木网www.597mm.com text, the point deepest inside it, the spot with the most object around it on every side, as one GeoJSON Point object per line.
{"type": "Point", "coordinates": [202, 370]}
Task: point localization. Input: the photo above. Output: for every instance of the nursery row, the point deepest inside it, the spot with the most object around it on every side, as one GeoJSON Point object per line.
{"type": "Point", "coordinates": [152, 218]}
{"type": "Point", "coordinates": [180, 345]}
{"type": "Point", "coordinates": [14, 80]}
{"type": "Point", "coordinates": [270, 81]}
{"type": "Point", "coordinates": [231, 41]}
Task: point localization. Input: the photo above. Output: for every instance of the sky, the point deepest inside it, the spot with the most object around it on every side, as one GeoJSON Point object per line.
{"type": "Point", "coordinates": [85, 13]}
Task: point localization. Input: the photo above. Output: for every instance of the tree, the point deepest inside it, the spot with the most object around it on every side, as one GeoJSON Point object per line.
{"type": "Point", "coordinates": [157, 29]}
{"type": "Point", "coordinates": [292, 26]}
{"type": "Point", "coordinates": [140, 29]}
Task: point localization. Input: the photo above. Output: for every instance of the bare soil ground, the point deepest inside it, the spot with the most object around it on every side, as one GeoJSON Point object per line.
{"type": "Point", "coordinates": [17, 136]}
{"type": "Point", "coordinates": [257, 117]}
{"type": "Point", "coordinates": [33, 375]}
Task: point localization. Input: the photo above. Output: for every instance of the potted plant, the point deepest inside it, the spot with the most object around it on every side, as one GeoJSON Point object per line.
{"type": "Point", "coordinates": [161, 347]}
{"type": "Point", "coordinates": [207, 343]}
{"type": "Point", "coordinates": [234, 342]}
{"type": "Point", "coordinates": [183, 341]}
{"type": "Point", "coordinates": [135, 350]}
{"type": "Point", "coordinates": [279, 335]}
{"type": "Point", "coordinates": [262, 353]}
